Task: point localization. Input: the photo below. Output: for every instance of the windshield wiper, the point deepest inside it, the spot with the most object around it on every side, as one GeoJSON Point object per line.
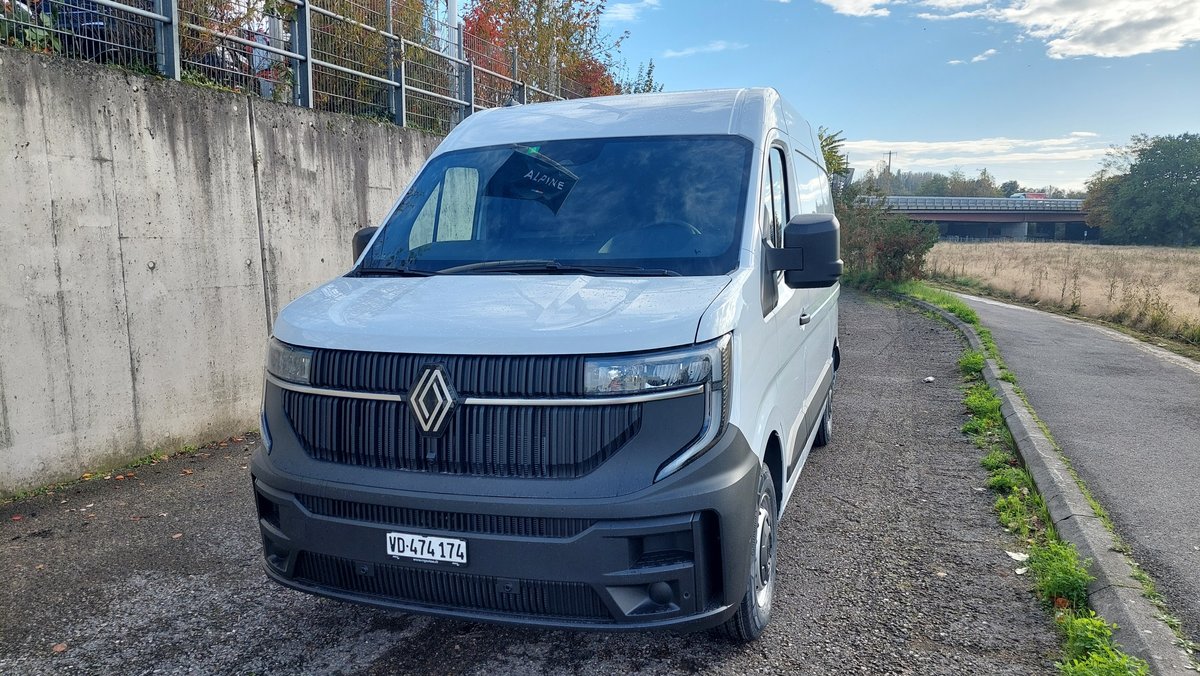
{"type": "Point", "coordinates": [403, 271]}
{"type": "Point", "coordinates": [546, 265]}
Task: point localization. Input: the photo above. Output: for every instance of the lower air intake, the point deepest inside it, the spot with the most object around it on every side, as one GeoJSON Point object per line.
{"type": "Point", "coordinates": [445, 589]}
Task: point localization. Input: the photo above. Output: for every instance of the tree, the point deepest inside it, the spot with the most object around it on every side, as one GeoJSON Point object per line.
{"type": "Point", "coordinates": [1010, 188]}
{"type": "Point", "coordinates": [1101, 192]}
{"type": "Point", "coordinates": [879, 244]}
{"type": "Point", "coordinates": [551, 38]}
{"type": "Point", "coordinates": [937, 185]}
{"type": "Point", "coordinates": [831, 149]}
{"type": "Point", "coordinates": [1157, 201]}
{"type": "Point", "coordinates": [643, 82]}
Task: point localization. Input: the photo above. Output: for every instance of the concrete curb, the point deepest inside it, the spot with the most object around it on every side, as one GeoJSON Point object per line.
{"type": "Point", "coordinates": [1115, 595]}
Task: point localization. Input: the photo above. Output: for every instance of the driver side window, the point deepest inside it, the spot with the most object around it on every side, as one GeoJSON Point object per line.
{"type": "Point", "coordinates": [774, 198]}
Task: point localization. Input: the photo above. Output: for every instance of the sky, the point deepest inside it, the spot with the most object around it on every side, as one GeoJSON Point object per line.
{"type": "Point", "coordinates": [1032, 90]}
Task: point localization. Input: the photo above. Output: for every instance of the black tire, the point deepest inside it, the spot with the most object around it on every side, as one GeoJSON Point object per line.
{"type": "Point", "coordinates": [825, 427]}
{"type": "Point", "coordinates": [754, 611]}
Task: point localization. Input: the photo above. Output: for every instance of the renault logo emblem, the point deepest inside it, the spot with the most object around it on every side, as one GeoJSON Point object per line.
{"type": "Point", "coordinates": [431, 400]}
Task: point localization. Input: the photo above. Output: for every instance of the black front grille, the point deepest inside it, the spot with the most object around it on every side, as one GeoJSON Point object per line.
{"type": "Point", "coordinates": [446, 589]}
{"type": "Point", "coordinates": [506, 441]}
{"type": "Point", "coordinates": [426, 519]}
{"type": "Point", "coordinates": [471, 375]}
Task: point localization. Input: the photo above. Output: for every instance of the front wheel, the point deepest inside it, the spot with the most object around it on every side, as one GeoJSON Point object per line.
{"type": "Point", "coordinates": [754, 612]}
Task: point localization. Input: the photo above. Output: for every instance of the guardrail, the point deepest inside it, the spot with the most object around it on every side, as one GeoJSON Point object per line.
{"type": "Point", "coordinates": [386, 59]}
{"type": "Point", "coordinates": [910, 203]}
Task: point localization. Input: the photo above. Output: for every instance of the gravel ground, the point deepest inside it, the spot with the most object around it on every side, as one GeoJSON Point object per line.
{"type": "Point", "coordinates": [891, 562]}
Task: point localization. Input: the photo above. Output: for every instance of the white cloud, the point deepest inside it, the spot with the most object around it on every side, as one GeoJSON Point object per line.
{"type": "Point", "coordinates": [956, 62]}
{"type": "Point", "coordinates": [1074, 28]}
{"type": "Point", "coordinates": [950, 4]}
{"type": "Point", "coordinates": [952, 17]}
{"type": "Point", "coordinates": [984, 56]}
{"type": "Point", "coordinates": [1031, 160]}
{"type": "Point", "coordinates": [1084, 134]}
{"type": "Point", "coordinates": [860, 7]}
{"type": "Point", "coordinates": [714, 46]}
{"type": "Point", "coordinates": [629, 11]}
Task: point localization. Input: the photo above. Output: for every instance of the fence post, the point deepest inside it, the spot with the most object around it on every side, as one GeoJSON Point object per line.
{"type": "Point", "coordinates": [518, 84]}
{"type": "Point", "coordinates": [470, 97]}
{"type": "Point", "coordinates": [302, 32]}
{"type": "Point", "coordinates": [166, 38]}
{"type": "Point", "coordinates": [396, 98]}
{"type": "Point", "coordinates": [466, 73]}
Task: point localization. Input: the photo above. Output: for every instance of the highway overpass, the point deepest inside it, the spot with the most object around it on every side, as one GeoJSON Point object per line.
{"type": "Point", "coordinates": [997, 217]}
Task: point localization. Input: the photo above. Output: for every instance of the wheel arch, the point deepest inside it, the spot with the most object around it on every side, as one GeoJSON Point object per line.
{"type": "Point", "coordinates": [773, 457]}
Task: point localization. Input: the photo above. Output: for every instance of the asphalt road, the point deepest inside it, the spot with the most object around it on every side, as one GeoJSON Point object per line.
{"type": "Point", "coordinates": [891, 563]}
{"type": "Point", "coordinates": [1127, 416]}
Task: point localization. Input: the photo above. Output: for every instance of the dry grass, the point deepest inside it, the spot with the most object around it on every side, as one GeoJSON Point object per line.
{"type": "Point", "coordinates": [1153, 289]}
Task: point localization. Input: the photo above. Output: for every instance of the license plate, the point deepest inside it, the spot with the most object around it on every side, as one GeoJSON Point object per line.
{"type": "Point", "coordinates": [427, 548]}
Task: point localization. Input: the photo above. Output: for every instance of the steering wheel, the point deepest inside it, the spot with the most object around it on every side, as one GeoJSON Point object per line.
{"type": "Point", "coordinates": [665, 235]}
{"type": "Point", "coordinates": [667, 228]}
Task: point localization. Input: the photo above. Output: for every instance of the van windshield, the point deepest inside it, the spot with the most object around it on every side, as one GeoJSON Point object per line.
{"type": "Point", "coordinates": [668, 205]}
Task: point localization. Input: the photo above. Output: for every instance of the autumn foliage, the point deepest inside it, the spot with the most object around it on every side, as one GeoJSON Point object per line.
{"type": "Point", "coordinates": [558, 44]}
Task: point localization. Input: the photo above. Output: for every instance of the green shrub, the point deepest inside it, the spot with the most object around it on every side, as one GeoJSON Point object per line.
{"type": "Point", "coordinates": [1106, 662]}
{"type": "Point", "coordinates": [1059, 574]}
{"type": "Point", "coordinates": [880, 244]}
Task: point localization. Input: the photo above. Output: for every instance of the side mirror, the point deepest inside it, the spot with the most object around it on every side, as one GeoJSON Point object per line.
{"type": "Point", "coordinates": [811, 257]}
{"type": "Point", "coordinates": [361, 239]}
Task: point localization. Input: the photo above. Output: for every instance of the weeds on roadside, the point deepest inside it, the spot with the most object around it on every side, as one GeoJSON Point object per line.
{"type": "Point", "coordinates": [1009, 479]}
{"type": "Point", "coordinates": [1060, 578]}
{"type": "Point", "coordinates": [1107, 661]}
{"type": "Point", "coordinates": [971, 363]}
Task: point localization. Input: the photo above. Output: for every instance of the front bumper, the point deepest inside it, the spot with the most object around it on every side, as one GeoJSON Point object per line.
{"type": "Point", "coordinates": [674, 554]}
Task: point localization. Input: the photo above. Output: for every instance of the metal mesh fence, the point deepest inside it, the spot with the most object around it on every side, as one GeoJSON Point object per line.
{"type": "Point", "coordinates": [84, 30]}
{"type": "Point", "coordinates": [237, 44]}
{"type": "Point", "coordinates": [386, 59]}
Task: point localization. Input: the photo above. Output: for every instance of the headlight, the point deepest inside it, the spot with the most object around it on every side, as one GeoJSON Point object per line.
{"type": "Point", "coordinates": [656, 371]}
{"type": "Point", "coordinates": [707, 365]}
{"type": "Point", "coordinates": [290, 363]}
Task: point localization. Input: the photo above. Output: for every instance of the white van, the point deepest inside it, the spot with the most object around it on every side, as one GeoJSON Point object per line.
{"type": "Point", "coordinates": [572, 379]}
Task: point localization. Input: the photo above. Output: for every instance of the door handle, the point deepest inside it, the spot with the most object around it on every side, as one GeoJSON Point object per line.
{"type": "Point", "coordinates": [805, 318]}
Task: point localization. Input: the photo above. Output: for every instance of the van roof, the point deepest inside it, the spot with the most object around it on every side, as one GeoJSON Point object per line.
{"type": "Point", "coordinates": [748, 112]}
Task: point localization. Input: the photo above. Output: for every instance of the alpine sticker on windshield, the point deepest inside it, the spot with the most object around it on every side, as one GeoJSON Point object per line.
{"type": "Point", "coordinates": [528, 175]}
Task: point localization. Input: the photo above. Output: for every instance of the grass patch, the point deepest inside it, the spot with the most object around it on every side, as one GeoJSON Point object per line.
{"type": "Point", "coordinates": [1085, 634]}
{"type": "Point", "coordinates": [1107, 661]}
{"type": "Point", "coordinates": [997, 458]}
{"type": "Point", "coordinates": [1061, 579]}
{"type": "Point", "coordinates": [1009, 479]}
{"type": "Point", "coordinates": [972, 362]}
{"type": "Point", "coordinates": [943, 299]}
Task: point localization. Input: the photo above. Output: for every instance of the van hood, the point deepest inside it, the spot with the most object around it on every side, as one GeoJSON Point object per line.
{"type": "Point", "coordinates": [500, 314]}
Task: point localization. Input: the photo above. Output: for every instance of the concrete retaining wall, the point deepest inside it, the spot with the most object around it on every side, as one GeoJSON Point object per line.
{"type": "Point", "coordinates": [150, 232]}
